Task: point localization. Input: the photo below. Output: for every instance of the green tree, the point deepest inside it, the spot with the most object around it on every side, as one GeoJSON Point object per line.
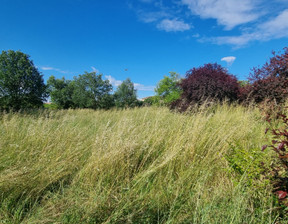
{"type": "Point", "coordinates": [21, 84]}
{"type": "Point", "coordinates": [168, 89]}
{"type": "Point", "coordinates": [91, 91]}
{"type": "Point", "coordinates": [61, 91]}
{"type": "Point", "coordinates": [152, 100]}
{"type": "Point", "coordinates": [126, 94]}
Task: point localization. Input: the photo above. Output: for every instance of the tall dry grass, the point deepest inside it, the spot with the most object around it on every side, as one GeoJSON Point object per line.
{"type": "Point", "coordinates": [145, 165]}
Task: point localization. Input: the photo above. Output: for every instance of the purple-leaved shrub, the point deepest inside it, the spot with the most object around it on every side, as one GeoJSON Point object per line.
{"type": "Point", "coordinates": [206, 83]}
{"type": "Point", "coordinates": [268, 83]}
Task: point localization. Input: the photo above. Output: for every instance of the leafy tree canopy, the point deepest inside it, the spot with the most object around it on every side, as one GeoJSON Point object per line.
{"type": "Point", "coordinates": [126, 94]}
{"type": "Point", "coordinates": [21, 84]}
{"type": "Point", "coordinates": [61, 92]}
{"type": "Point", "coordinates": [168, 88]}
{"type": "Point", "coordinates": [91, 91]}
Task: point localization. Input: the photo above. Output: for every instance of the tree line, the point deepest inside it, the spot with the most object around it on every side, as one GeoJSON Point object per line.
{"type": "Point", "coordinates": [212, 82]}
{"type": "Point", "coordinates": [22, 86]}
{"type": "Point", "coordinates": [89, 90]}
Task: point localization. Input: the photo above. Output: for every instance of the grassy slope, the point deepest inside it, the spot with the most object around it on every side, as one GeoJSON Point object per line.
{"type": "Point", "coordinates": [143, 165]}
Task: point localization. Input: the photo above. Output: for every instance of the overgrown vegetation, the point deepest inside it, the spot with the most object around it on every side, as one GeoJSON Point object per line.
{"type": "Point", "coordinates": [143, 165]}
{"type": "Point", "coordinates": [279, 145]}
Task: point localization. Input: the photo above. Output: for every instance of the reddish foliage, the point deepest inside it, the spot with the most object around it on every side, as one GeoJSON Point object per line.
{"type": "Point", "coordinates": [270, 88]}
{"type": "Point", "coordinates": [270, 82]}
{"type": "Point", "coordinates": [280, 168]}
{"type": "Point", "coordinates": [281, 194]}
{"type": "Point", "coordinates": [277, 67]}
{"type": "Point", "coordinates": [209, 82]}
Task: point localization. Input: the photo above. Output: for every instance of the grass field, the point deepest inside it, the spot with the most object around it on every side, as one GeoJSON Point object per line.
{"type": "Point", "coordinates": [145, 165]}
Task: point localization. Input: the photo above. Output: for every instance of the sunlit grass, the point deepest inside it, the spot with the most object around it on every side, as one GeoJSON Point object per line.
{"type": "Point", "coordinates": [145, 165]}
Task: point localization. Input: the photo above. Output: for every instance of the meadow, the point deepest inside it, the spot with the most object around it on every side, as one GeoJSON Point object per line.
{"type": "Point", "coordinates": [142, 165]}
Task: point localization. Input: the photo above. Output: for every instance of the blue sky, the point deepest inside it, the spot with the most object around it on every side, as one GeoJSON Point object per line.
{"type": "Point", "coordinates": [143, 39]}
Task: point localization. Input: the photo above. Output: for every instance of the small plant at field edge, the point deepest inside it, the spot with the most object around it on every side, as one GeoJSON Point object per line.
{"type": "Point", "coordinates": [280, 166]}
{"type": "Point", "coordinates": [248, 162]}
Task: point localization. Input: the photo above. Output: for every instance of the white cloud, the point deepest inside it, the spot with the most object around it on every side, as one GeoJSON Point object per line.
{"type": "Point", "coordinates": [252, 20]}
{"type": "Point", "coordinates": [143, 87]}
{"type": "Point", "coordinates": [47, 68]}
{"type": "Point", "coordinates": [146, 1]}
{"type": "Point", "coordinates": [137, 86]}
{"type": "Point", "coordinates": [150, 17]}
{"type": "Point", "coordinates": [113, 81]}
{"type": "Point", "coordinates": [95, 69]}
{"type": "Point", "coordinates": [173, 25]}
{"type": "Point", "coordinates": [230, 60]}
{"type": "Point", "coordinates": [197, 35]}
{"type": "Point", "coordinates": [274, 28]}
{"type": "Point", "coordinates": [164, 18]}
{"type": "Point", "coordinates": [229, 13]}
{"type": "Point", "coordinates": [236, 41]}
{"type": "Point", "coordinates": [53, 69]}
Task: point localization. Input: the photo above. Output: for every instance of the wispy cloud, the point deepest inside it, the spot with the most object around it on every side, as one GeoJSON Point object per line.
{"type": "Point", "coordinates": [141, 87]}
{"type": "Point", "coordinates": [113, 81]}
{"type": "Point", "coordinates": [229, 13]}
{"type": "Point", "coordinates": [146, 1]}
{"type": "Point", "coordinates": [94, 69]}
{"type": "Point", "coordinates": [251, 20]}
{"type": "Point", "coordinates": [173, 25]}
{"type": "Point", "coordinates": [137, 86]}
{"type": "Point", "coordinates": [246, 13]}
{"type": "Point", "coordinates": [163, 17]}
{"type": "Point", "coordinates": [274, 28]}
{"type": "Point", "coordinates": [150, 17]}
{"type": "Point", "coordinates": [230, 60]}
{"type": "Point", "coordinates": [46, 68]}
